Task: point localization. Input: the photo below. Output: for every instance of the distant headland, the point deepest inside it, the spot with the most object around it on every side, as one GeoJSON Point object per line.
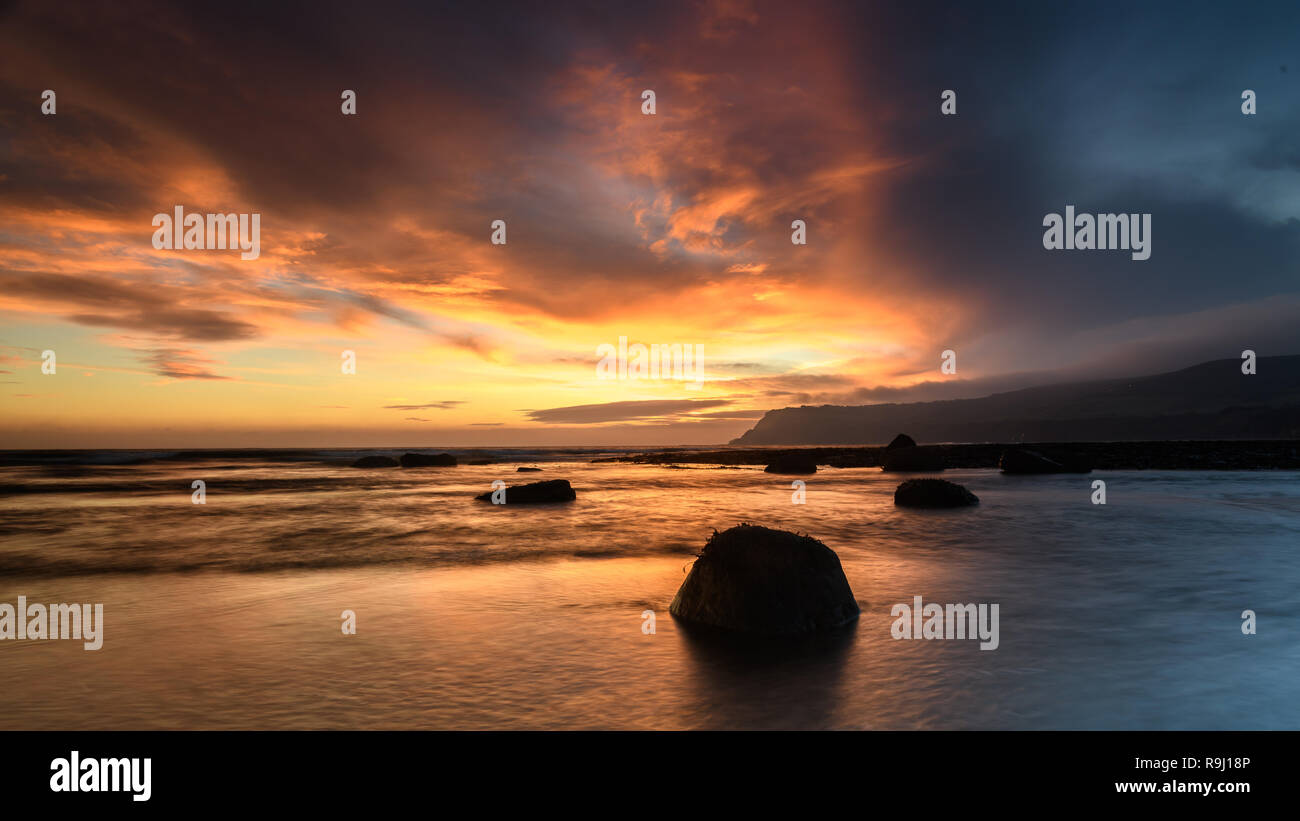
{"type": "Point", "coordinates": [1213, 401]}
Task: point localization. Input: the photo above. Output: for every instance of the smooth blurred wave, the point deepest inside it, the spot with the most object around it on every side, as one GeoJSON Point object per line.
{"type": "Point", "coordinates": [481, 616]}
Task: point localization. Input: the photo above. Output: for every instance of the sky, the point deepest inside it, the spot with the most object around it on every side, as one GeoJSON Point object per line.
{"type": "Point", "coordinates": [924, 231]}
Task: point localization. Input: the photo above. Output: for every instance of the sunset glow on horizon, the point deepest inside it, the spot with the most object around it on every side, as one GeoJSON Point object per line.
{"type": "Point", "coordinates": [671, 228]}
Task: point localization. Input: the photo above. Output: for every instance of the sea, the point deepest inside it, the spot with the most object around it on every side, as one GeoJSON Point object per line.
{"type": "Point", "coordinates": [1173, 605]}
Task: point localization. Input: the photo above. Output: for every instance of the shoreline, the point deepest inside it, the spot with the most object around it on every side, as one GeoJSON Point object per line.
{"type": "Point", "coordinates": [1191, 454]}
{"type": "Point", "coordinates": [1273, 454]}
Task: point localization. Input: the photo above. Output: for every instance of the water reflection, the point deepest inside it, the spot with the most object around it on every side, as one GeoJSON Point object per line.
{"type": "Point", "coordinates": [769, 682]}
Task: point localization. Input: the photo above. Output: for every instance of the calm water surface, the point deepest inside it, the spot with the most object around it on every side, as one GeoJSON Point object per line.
{"type": "Point", "coordinates": [472, 615]}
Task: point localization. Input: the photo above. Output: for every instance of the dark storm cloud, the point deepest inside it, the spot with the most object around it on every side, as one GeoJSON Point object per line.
{"type": "Point", "coordinates": [75, 162]}
{"type": "Point", "coordinates": [141, 307]}
{"type": "Point", "coordinates": [1042, 92]}
{"type": "Point", "coordinates": [623, 411]}
{"type": "Point", "coordinates": [828, 111]}
{"type": "Point", "coordinates": [181, 364]}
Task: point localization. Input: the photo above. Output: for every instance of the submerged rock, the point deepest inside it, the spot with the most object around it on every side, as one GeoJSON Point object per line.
{"type": "Point", "coordinates": [1018, 460]}
{"type": "Point", "coordinates": [933, 493]}
{"type": "Point", "coordinates": [552, 490]}
{"type": "Point", "coordinates": [427, 460]}
{"type": "Point", "coordinates": [758, 580]}
{"type": "Point", "coordinates": [792, 463]}
{"type": "Point", "coordinates": [375, 462]}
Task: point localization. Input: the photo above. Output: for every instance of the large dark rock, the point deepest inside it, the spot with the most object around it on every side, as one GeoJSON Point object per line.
{"type": "Point", "coordinates": [792, 463]}
{"type": "Point", "coordinates": [1018, 460]}
{"type": "Point", "coordinates": [757, 580]}
{"type": "Point", "coordinates": [903, 456]}
{"type": "Point", "coordinates": [552, 490]}
{"type": "Point", "coordinates": [933, 493]}
{"type": "Point", "coordinates": [375, 462]}
{"type": "Point", "coordinates": [902, 440]}
{"type": "Point", "coordinates": [428, 460]}
{"type": "Point", "coordinates": [528, 470]}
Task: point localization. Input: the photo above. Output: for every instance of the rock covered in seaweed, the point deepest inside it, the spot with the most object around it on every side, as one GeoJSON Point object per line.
{"type": "Point", "coordinates": [758, 580]}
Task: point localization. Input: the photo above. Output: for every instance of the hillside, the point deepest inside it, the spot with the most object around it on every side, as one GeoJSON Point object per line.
{"type": "Point", "coordinates": [1213, 400]}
